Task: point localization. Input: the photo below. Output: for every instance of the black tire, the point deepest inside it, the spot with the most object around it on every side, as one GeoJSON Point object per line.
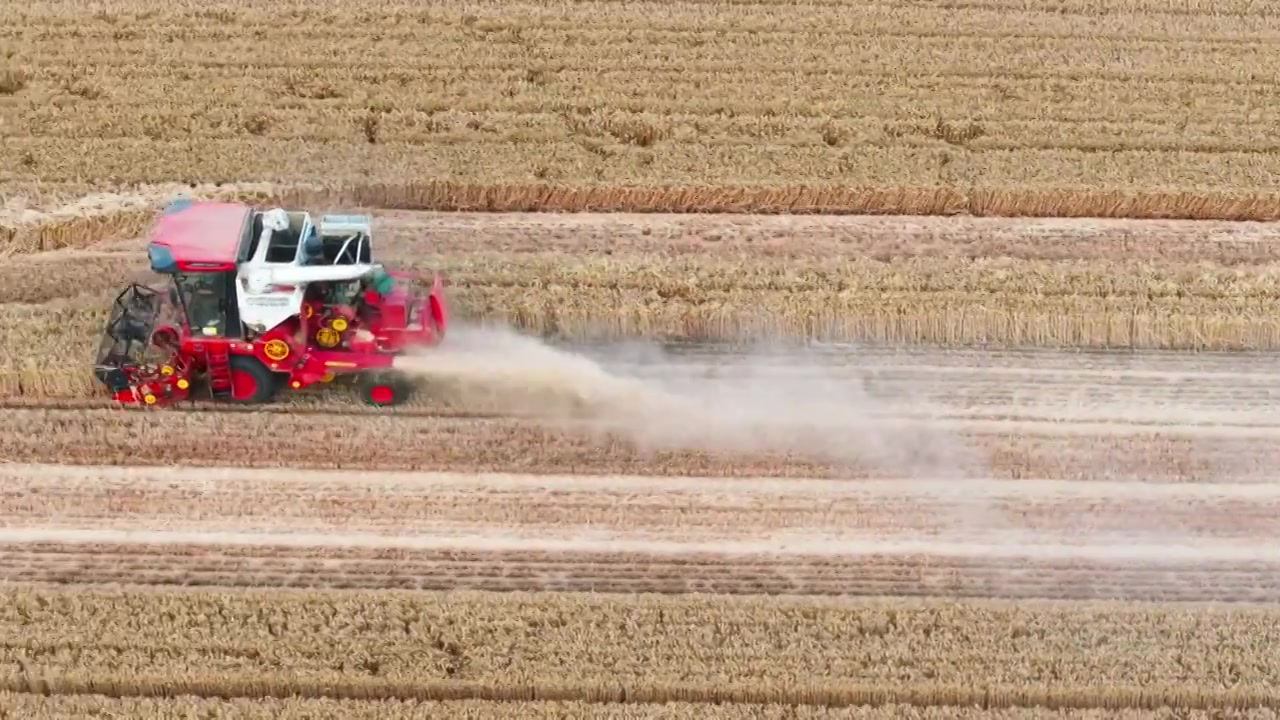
{"type": "Point", "coordinates": [385, 389]}
{"type": "Point", "coordinates": [266, 383]}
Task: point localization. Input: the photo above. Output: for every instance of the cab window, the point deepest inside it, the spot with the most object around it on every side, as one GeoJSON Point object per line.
{"type": "Point", "coordinates": [205, 300]}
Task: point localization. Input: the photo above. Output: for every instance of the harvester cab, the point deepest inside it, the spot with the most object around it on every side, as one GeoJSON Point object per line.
{"type": "Point", "coordinates": [264, 298]}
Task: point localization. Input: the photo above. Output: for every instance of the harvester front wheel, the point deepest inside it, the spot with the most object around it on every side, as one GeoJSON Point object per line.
{"type": "Point", "coordinates": [384, 389]}
{"type": "Point", "coordinates": [251, 381]}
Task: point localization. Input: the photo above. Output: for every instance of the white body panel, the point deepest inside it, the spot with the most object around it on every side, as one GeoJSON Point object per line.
{"type": "Point", "coordinates": [261, 306]}
{"type": "Point", "coordinates": [261, 311]}
{"type": "Point", "coordinates": [270, 293]}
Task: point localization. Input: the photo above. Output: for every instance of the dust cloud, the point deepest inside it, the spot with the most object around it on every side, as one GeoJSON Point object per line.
{"type": "Point", "coordinates": [740, 404]}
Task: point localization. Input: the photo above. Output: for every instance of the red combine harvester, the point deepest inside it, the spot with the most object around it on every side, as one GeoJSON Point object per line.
{"type": "Point", "coordinates": [265, 298]}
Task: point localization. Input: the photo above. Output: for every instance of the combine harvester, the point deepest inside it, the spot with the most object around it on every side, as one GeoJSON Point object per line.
{"type": "Point", "coordinates": [265, 298]}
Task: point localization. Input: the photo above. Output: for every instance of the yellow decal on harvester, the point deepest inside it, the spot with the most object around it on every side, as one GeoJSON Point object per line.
{"type": "Point", "coordinates": [276, 349]}
{"type": "Point", "coordinates": [327, 337]}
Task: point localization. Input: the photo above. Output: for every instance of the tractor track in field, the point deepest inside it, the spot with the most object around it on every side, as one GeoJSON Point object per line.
{"type": "Point", "coordinates": [920, 575]}
{"type": "Point", "coordinates": [1229, 422]}
{"type": "Point", "coordinates": [1098, 391]}
{"type": "Point", "coordinates": [42, 498]}
{"type": "Point", "coordinates": [388, 442]}
{"type": "Point", "coordinates": [980, 538]}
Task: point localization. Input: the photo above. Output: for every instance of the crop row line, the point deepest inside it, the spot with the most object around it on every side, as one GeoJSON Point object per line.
{"type": "Point", "coordinates": [227, 686]}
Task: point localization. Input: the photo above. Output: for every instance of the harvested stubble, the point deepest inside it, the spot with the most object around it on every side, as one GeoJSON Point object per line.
{"type": "Point", "coordinates": [63, 221]}
{"type": "Point", "coordinates": [986, 109]}
{"type": "Point", "coordinates": [72, 230]}
{"type": "Point", "coordinates": [198, 560]}
{"type": "Point", "coordinates": [553, 647]}
{"type": "Point", "coordinates": [398, 441]}
{"type": "Point", "coordinates": [66, 707]}
{"type": "Point", "coordinates": [439, 531]}
{"type": "Point", "coordinates": [407, 234]}
{"type": "Point", "coordinates": [701, 514]}
{"type": "Point", "coordinates": [694, 511]}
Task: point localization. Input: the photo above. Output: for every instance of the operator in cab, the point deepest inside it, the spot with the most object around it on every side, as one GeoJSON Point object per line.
{"type": "Point", "coordinates": [204, 305]}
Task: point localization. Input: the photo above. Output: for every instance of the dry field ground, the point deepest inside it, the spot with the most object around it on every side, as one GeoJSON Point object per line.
{"type": "Point", "coordinates": [1028, 472]}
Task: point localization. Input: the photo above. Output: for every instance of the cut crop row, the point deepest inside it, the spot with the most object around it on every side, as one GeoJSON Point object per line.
{"type": "Point", "coordinates": [232, 566]}
{"type": "Point", "coordinates": [395, 442]}
{"type": "Point", "coordinates": [690, 511]}
{"type": "Point", "coordinates": [60, 707]}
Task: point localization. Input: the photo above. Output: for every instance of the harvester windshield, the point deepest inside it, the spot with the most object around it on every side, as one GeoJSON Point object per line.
{"type": "Point", "coordinates": [208, 301]}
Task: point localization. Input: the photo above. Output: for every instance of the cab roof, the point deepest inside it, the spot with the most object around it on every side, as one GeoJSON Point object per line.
{"type": "Point", "coordinates": [199, 236]}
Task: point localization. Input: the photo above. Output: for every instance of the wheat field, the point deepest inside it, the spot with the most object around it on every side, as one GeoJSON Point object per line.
{"type": "Point", "coordinates": [1161, 109]}
{"type": "Point", "coordinates": [811, 359]}
{"type": "Point", "coordinates": [467, 647]}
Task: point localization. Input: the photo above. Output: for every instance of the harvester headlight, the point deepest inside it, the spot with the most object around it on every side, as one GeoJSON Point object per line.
{"type": "Point", "coordinates": [339, 324]}
{"type": "Point", "coordinates": [166, 369]}
{"type": "Point", "coordinates": [183, 384]}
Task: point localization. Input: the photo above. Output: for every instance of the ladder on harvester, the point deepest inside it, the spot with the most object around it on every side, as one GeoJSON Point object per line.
{"type": "Point", "coordinates": [218, 362]}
